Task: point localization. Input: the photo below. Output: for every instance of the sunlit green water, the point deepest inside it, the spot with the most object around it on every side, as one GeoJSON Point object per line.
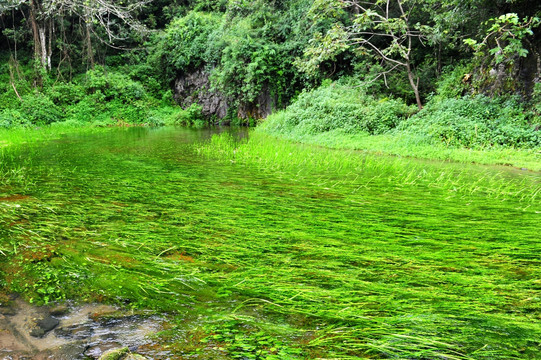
{"type": "Point", "coordinates": [315, 260]}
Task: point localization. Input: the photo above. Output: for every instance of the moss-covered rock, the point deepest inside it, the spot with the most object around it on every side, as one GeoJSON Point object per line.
{"type": "Point", "coordinates": [121, 354]}
{"type": "Point", "coordinates": [115, 354]}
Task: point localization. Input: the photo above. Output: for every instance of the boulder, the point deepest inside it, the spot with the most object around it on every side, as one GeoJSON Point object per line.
{"type": "Point", "coordinates": [41, 325]}
{"type": "Point", "coordinates": [121, 354]}
{"type": "Point", "coordinates": [195, 88]}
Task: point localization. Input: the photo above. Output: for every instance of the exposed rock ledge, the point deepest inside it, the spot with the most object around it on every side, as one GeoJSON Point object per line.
{"type": "Point", "coordinates": [195, 87]}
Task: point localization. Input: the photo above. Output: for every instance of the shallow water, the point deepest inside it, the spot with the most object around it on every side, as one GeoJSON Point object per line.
{"type": "Point", "coordinates": [82, 332]}
{"type": "Point", "coordinates": [139, 218]}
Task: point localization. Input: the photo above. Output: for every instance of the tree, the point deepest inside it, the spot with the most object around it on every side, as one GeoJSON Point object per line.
{"type": "Point", "coordinates": [382, 28]}
{"type": "Point", "coordinates": [109, 16]}
{"type": "Point", "coordinates": [507, 34]}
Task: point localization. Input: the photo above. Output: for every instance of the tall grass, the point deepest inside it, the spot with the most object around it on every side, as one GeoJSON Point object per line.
{"type": "Point", "coordinates": [468, 129]}
{"type": "Point", "coordinates": [271, 154]}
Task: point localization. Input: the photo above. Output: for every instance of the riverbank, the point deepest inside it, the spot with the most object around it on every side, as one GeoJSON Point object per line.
{"type": "Point", "coordinates": [411, 146]}
{"type": "Point", "coordinates": [468, 129]}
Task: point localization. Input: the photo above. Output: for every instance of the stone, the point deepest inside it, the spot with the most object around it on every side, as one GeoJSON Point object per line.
{"type": "Point", "coordinates": [115, 354]}
{"type": "Point", "coordinates": [42, 325]}
{"type": "Point", "coordinates": [59, 310]}
{"type": "Point", "coordinates": [195, 88]}
{"type": "Point", "coordinates": [77, 331]}
{"type": "Point", "coordinates": [135, 357]}
{"type": "Point", "coordinates": [8, 310]}
{"type": "Point", "coordinates": [121, 354]}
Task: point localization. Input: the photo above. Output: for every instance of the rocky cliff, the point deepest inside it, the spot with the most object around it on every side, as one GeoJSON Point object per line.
{"type": "Point", "coordinates": [196, 87]}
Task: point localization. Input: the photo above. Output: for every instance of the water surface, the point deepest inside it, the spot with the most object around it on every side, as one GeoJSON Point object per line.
{"type": "Point", "coordinates": [349, 263]}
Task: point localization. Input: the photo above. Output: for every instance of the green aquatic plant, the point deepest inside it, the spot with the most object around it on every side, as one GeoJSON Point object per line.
{"type": "Point", "coordinates": [268, 153]}
{"type": "Point", "coordinates": [267, 249]}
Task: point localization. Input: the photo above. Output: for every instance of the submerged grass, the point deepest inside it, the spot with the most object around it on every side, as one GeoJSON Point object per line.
{"type": "Point", "coordinates": [30, 135]}
{"type": "Point", "coordinates": [265, 249]}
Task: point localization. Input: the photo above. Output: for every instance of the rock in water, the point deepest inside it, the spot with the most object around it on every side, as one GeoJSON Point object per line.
{"type": "Point", "coordinates": [43, 325]}
{"type": "Point", "coordinates": [120, 354]}
{"type": "Point", "coordinates": [135, 357]}
{"type": "Point", "coordinates": [115, 354]}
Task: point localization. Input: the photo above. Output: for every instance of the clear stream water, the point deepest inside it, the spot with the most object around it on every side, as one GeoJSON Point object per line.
{"type": "Point", "coordinates": [137, 217]}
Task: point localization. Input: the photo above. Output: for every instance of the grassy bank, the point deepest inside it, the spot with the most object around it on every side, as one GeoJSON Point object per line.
{"type": "Point", "coordinates": [417, 146]}
{"type": "Point", "coordinates": [464, 129]}
{"type": "Point", "coordinates": [267, 153]}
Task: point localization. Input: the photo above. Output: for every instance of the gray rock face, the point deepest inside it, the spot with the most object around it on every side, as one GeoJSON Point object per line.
{"type": "Point", "coordinates": [516, 75]}
{"type": "Point", "coordinates": [42, 325]}
{"type": "Point", "coordinates": [195, 87]}
{"type": "Point", "coordinates": [260, 109]}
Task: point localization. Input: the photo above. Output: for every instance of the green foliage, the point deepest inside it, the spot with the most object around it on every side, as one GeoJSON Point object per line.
{"type": "Point", "coordinates": [65, 94]}
{"type": "Point", "coordinates": [339, 106]}
{"type": "Point", "coordinates": [113, 85]}
{"type": "Point", "coordinates": [505, 37]}
{"type": "Point", "coordinates": [476, 122]}
{"type": "Point", "coordinates": [183, 45]}
{"type": "Point", "coordinates": [40, 109]}
{"type": "Point", "coordinates": [246, 66]}
{"type": "Point", "coordinates": [451, 83]}
{"type": "Point", "coordinates": [248, 50]}
{"type": "Point", "coordinates": [12, 118]}
{"type": "Point", "coordinates": [246, 341]}
{"type": "Point", "coordinates": [169, 115]}
{"type": "Point", "coordinates": [535, 101]}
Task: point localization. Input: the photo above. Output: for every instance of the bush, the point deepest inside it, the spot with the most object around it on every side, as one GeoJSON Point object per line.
{"type": "Point", "coordinates": [338, 106]}
{"type": "Point", "coordinates": [38, 109]}
{"type": "Point", "coordinates": [192, 116]}
{"type": "Point", "coordinates": [183, 45]}
{"type": "Point", "coordinates": [113, 85]}
{"type": "Point", "coordinates": [476, 122]}
{"type": "Point", "coordinates": [12, 118]}
{"type": "Point", "coordinates": [89, 108]}
{"type": "Point", "coordinates": [65, 94]}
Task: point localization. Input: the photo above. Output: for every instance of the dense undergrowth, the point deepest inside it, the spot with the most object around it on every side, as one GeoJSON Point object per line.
{"type": "Point", "coordinates": [100, 97]}
{"type": "Point", "coordinates": [461, 128]}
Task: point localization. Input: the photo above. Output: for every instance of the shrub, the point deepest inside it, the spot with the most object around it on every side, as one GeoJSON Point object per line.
{"type": "Point", "coordinates": [183, 45]}
{"type": "Point", "coordinates": [113, 85]}
{"type": "Point", "coordinates": [476, 122]}
{"type": "Point", "coordinates": [65, 94]}
{"type": "Point", "coordinates": [12, 118]}
{"type": "Point", "coordinates": [339, 106]}
{"type": "Point", "coordinates": [89, 108]}
{"type": "Point", "coordinates": [40, 110]}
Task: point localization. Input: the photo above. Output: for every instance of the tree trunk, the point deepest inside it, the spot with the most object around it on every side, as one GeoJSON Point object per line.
{"type": "Point", "coordinates": [89, 50]}
{"type": "Point", "coordinates": [414, 85]}
{"type": "Point", "coordinates": [35, 31]}
{"type": "Point", "coordinates": [43, 44]}
{"type": "Point", "coordinates": [37, 43]}
{"type": "Point", "coordinates": [50, 45]}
